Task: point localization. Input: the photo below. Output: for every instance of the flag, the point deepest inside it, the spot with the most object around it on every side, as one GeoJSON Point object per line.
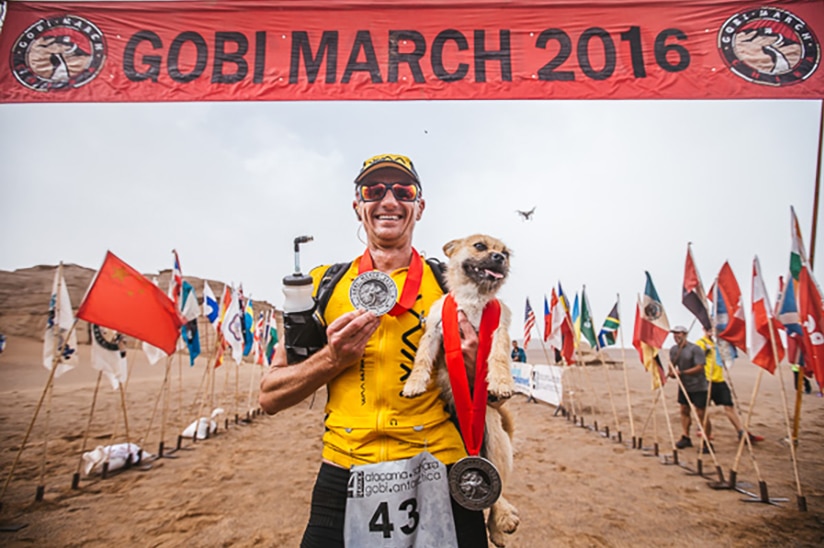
{"type": "Point", "coordinates": [692, 292]}
{"type": "Point", "coordinates": [654, 325]}
{"type": "Point", "coordinates": [211, 308]}
{"type": "Point", "coordinates": [587, 329]}
{"type": "Point", "coordinates": [258, 344]}
{"type": "Point", "coordinates": [547, 319]}
{"type": "Point", "coordinates": [576, 320]}
{"type": "Point", "coordinates": [729, 309]}
{"type": "Point", "coordinates": [122, 299]}
{"type": "Point", "coordinates": [812, 313]}
{"type": "Point", "coordinates": [529, 323]}
{"type": "Point", "coordinates": [271, 337]}
{"type": "Point", "coordinates": [58, 324]}
{"type": "Point", "coordinates": [786, 307]}
{"type": "Point", "coordinates": [648, 354]}
{"type": "Point", "coordinates": [232, 326]}
{"type": "Point", "coordinates": [798, 255]}
{"type": "Point", "coordinates": [176, 286]}
{"type": "Point", "coordinates": [553, 321]}
{"type": "Point", "coordinates": [108, 355]}
{"type": "Point", "coordinates": [763, 323]}
{"type": "Point", "coordinates": [248, 327]}
{"type": "Point", "coordinates": [153, 353]}
{"type": "Point", "coordinates": [609, 331]}
{"type": "Point", "coordinates": [191, 310]}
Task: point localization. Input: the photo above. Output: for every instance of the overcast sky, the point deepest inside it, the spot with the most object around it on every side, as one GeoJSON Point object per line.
{"type": "Point", "coordinates": [619, 187]}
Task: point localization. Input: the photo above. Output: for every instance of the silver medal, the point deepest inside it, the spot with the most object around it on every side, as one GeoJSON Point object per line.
{"type": "Point", "coordinates": [374, 291]}
{"type": "Point", "coordinates": [474, 483]}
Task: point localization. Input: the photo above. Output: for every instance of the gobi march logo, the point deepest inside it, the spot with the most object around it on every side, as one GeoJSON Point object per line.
{"type": "Point", "coordinates": [769, 46]}
{"type": "Point", "coordinates": [58, 53]}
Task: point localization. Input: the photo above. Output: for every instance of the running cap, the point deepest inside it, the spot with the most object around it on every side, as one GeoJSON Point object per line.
{"type": "Point", "coordinates": [396, 161]}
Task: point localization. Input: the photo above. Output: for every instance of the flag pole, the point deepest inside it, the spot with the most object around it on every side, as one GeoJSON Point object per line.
{"type": "Point", "coordinates": [41, 487]}
{"type": "Point", "coordinates": [817, 185]}
{"type": "Point", "coordinates": [49, 381]}
{"type": "Point", "coordinates": [801, 500]}
{"type": "Point", "coordinates": [626, 375]}
{"type": "Point", "coordinates": [76, 476]}
{"type": "Point", "coordinates": [546, 356]}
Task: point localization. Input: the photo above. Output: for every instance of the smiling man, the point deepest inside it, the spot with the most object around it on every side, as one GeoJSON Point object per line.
{"type": "Point", "coordinates": [373, 310]}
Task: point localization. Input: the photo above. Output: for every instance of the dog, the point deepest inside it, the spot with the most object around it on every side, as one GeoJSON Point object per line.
{"type": "Point", "coordinates": [477, 267]}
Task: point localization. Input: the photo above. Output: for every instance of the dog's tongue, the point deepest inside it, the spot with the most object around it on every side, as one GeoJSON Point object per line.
{"type": "Point", "coordinates": [493, 274]}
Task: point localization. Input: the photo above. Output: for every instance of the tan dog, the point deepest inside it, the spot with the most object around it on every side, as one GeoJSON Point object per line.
{"type": "Point", "coordinates": [478, 267]}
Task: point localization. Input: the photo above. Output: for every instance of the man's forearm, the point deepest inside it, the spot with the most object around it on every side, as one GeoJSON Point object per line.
{"type": "Point", "coordinates": [286, 385]}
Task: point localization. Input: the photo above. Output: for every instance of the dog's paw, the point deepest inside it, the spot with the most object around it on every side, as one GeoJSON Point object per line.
{"type": "Point", "coordinates": [415, 385]}
{"type": "Point", "coordinates": [503, 520]}
{"type": "Point", "coordinates": [501, 386]}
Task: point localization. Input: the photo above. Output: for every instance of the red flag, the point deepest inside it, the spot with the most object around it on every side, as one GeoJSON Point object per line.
{"type": "Point", "coordinates": [561, 334]}
{"type": "Point", "coordinates": [730, 309]}
{"type": "Point", "coordinates": [692, 292]}
{"type": "Point", "coordinates": [765, 326]}
{"type": "Point", "coordinates": [122, 299]}
{"type": "Point", "coordinates": [811, 314]}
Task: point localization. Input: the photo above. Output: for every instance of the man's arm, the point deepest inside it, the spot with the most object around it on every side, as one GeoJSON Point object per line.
{"type": "Point", "coordinates": [286, 385]}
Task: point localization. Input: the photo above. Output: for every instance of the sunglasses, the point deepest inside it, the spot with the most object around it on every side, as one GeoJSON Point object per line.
{"type": "Point", "coordinates": [403, 192]}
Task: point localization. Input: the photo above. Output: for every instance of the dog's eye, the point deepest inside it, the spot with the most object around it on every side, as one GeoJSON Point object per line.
{"type": "Point", "coordinates": [480, 246]}
{"type": "Point", "coordinates": [505, 253]}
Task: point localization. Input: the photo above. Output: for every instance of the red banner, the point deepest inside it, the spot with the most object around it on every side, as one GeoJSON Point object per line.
{"type": "Point", "coordinates": [428, 49]}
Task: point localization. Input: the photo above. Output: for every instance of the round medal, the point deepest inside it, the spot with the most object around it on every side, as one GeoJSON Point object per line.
{"type": "Point", "coordinates": [474, 483]}
{"type": "Point", "coordinates": [374, 291]}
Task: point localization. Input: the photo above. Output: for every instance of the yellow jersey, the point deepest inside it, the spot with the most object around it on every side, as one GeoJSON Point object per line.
{"type": "Point", "coordinates": [714, 372]}
{"type": "Point", "coordinates": [367, 418]}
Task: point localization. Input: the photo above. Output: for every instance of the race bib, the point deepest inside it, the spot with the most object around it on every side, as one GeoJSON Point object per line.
{"type": "Point", "coordinates": [399, 504]}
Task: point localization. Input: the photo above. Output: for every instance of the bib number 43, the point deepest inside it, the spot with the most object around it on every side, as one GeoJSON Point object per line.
{"type": "Point", "coordinates": [381, 521]}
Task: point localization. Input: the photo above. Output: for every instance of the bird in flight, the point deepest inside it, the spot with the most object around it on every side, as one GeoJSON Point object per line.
{"type": "Point", "coordinates": [526, 215]}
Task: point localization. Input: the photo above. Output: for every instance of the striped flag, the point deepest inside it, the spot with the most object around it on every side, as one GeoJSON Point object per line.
{"type": "Point", "coordinates": [547, 318]}
{"type": "Point", "coordinates": [606, 336]}
{"type": "Point", "coordinates": [654, 325]}
{"type": "Point", "coordinates": [529, 323]}
{"type": "Point", "coordinates": [211, 308]}
{"type": "Point", "coordinates": [729, 309]}
{"type": "Point", "coordinates": [647, 353]}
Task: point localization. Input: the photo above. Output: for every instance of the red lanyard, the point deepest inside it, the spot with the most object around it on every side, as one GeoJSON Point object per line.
{"type": "Point", "coordinates": [470, 408]}
{"type": "Point", "coordinates": [414, 275]}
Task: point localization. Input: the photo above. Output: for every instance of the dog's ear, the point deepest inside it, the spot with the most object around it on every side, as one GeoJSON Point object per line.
{"type": "Point", "coordinates": [450, 247]}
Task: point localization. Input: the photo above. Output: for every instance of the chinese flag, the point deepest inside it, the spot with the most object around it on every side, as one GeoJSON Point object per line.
{"type": "Point", "coordinates": [122, 299]}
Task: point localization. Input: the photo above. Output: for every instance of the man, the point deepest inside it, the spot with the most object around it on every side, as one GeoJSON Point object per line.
{"type": "Point", "coordinates": [687, 362]}
{"type": "Point", "coordinates": [719, 391]}
{"type": "Point", "coordinates": [518, 354]}
{"type": "Point", "coordinates": [366, 360]}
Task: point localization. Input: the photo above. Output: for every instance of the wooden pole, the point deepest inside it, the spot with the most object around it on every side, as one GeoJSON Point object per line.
{"type": "Point", "coordinates": [76, 477]}
{"type": "Point", "coordinates": [55, 360]}
{"type": "Point", "coordinates": [746, 438]}
{"type": "Point", "coordinates": [802, 504]}
{"type": "Point", "coordinates": [626, 374]}
{"type": "Point", "coordinates": [549, 363]}
{"type": "Point", "coordinates": [41, 487]}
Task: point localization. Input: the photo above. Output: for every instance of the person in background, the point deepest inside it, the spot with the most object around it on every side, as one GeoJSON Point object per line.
{"type": "Point", "coordinates": [687, 362]}
{"type": "Point", "coordinates": [719, 391]}
{"type": "Point", "coordinates": [518, 354]}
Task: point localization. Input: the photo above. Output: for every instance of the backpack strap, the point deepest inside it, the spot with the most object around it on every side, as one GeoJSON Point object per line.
{"type": "Point", "coordinates": [439, 270]}
{"type": "Point", "coordinates": [327, 285]}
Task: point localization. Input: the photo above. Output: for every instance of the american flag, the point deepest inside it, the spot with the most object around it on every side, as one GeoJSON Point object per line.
{"type": "Point", "coordinates": [529, 323]}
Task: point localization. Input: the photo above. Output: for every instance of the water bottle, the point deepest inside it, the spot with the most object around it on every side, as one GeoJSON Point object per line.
{"type": "Point", "coordinates": [303, 333]}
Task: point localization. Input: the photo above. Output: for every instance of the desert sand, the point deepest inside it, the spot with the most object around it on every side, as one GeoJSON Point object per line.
{"type": "Point", "coordinates": [250, 484]}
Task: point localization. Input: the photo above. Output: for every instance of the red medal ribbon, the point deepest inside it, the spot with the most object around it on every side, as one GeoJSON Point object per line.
{"type": "Point", "coordinates": [470, 407]}
{"type": "Point", "coordinates": [409, 293]}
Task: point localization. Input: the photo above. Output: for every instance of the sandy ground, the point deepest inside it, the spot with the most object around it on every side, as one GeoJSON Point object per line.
{"type": "Point", "coordinates": [250, 485]}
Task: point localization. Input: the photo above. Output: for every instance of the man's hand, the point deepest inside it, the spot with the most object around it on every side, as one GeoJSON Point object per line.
{"type": "Point", "coordinates": [349, 334]}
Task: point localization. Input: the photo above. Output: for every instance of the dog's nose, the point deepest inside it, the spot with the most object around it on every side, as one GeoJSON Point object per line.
{"type": "Point", "coordinates": [498, 257]}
